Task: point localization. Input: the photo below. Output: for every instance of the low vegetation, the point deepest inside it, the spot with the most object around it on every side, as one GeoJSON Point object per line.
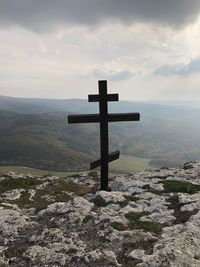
{"type": "Point", "coordinates": [11, 183]}
{"type": "Point", "coordinates": [135, 216]}
{"type": "Point", "coordinates": [118, 226]}
{"type": "Point", "coordinates": [99, 201]}
{"type": "Point", "coordinates": [181, 216]}
{"type": "Point", "coordinates": [70, 186]}
{"type": "Point", "coordinates": [180, 186]}
{"type": "Point", "coordinates": [131, 198]}
{"type": "Point", "coordinates": [136, 223]}
{"type": "Point", "coordinates": [50, 193]}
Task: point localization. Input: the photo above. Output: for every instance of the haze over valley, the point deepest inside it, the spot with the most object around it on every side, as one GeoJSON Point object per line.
{"type": "Point", "coordinates": [35, 133]}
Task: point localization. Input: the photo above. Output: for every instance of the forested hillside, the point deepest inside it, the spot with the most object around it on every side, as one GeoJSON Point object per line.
{"type": "Point", "coordinates": [43, 141]}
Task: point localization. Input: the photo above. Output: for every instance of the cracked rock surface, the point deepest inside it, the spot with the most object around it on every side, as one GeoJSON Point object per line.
{"type": "Point", "coordinates": [149, 219]}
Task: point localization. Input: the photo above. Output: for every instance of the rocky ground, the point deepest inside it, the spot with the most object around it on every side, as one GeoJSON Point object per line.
{"type": "Point", "coordinates": [150, 219]}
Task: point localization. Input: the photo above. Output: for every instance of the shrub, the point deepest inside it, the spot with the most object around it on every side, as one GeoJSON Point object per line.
{"type": "Point", "coordinates": [118, 226]}
{"type": "Point", "coordinates": [99, 201]}
{"type": "Point", "coordinates": [179, 186]}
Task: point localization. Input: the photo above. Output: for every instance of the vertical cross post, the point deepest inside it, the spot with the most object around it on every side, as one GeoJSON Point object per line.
{"type": "Point", "coordinates": [103, 107]}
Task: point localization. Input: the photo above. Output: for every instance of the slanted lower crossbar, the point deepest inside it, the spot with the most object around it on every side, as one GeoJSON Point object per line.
{"type": "Point", "coordinates": [111, 157]}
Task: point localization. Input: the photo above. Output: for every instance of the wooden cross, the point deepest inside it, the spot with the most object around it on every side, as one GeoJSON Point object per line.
{"type": "Point", "coordinates": [103, 118]}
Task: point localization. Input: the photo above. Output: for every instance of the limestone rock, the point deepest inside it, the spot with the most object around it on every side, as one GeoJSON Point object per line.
{"type": "Point", "coordinates": [137, 254]}
{"type": "Point", "coordinates": [179, 246]}
{"type": "Point", "coordinates": [11, 221]}
{"type": "Point", "coordinates": [140, 223]}
{"type": "Point", "coordinates": [13, 194]}
{"type": "Point", "coordinates": [112, 197]}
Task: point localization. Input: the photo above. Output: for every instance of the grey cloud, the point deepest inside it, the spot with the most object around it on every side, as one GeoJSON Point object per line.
{"type": "Point", "coordinates": [46, 14]}
{"type": "Point", "coordinates": [180, 69]}
{"type": "Point", "coordinates": [112, 76]}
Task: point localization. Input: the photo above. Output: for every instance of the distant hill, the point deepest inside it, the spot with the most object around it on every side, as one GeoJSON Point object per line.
{"type": "Point", "coordinates": [153, 110]}
{"type": "Point", "coordinates": [37, 105]}
{"type": "Point", "coordinates": [35, 133]}
{"type": "Point", "coordinates": [44, 141]}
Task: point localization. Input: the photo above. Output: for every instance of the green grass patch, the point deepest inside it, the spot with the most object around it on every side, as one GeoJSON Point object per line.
{"type": "Point", "coordinates": [58, 192]}
{"type": "Point", "coordinates": [135, 216]}
{"type": "Point", "coordinates": [148, 188]}
{"type": "Point", "coordinates": [127, 200]}
{"type": "Point", "coordinates": [179, 186]}
{"type": "Point", "coordinates": [11, 183]}
{"type": "Point", "coordinates": [131, 198]}
{"type": "Point", "coordinates": [55, 193]}
{"type": "Point", "coordinates": [24, 202]}
{"type": "Point", "coordinates": [135, 223]}
{"type": "Point", "coordinates": [184, 216]}
{"type": "Point", "coordinates": [154, 227]}
{"type": "Point", "coordinates": [99, 201]}
{"type": "Point", "coordinates": [123, 204]}
{"type": "Point", "coordinates": [181, 216]}
{"type": "Point", "coordinates": [70, 186]}
{"type": "Point", "coordinates": [173, 202]}
{"type": "Point", "coordinates": [35, 172]}
{"type": "Point", "coordinates": [118, 226]}
{"type": "Point", "coordinates": [127, 164]}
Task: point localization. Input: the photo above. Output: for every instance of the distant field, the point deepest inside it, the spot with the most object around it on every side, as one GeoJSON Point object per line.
{"type": "Point", "coordinates": [126, 164]}
{"type": "Point", "coordinates": [35, 172]}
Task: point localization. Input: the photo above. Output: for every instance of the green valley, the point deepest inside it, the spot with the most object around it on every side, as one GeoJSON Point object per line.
{"type": "Point", "coordinates": [127, 164]}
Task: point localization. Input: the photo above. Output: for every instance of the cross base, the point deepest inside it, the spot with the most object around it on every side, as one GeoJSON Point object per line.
{"type": "Point", "coordinates": [108, 189]}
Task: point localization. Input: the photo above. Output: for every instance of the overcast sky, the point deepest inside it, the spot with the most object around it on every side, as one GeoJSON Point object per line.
{"type": "Point", "coordinates": [146, 49]}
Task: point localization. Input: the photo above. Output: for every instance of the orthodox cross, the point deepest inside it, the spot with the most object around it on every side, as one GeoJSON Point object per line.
{"type": "Point", "coordinates": [103, 118]}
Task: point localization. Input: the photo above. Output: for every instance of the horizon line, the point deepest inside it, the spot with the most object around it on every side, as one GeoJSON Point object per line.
{"type": "Point", "coordinates": [126, 100]}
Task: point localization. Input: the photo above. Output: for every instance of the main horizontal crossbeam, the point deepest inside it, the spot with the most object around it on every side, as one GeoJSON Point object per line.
{"type": "Point", "coordinates": [111, 157]}
{"type": "Point", "coordinates": [123, 117]}
{"type": "Point", "coordinates": [80, 118]}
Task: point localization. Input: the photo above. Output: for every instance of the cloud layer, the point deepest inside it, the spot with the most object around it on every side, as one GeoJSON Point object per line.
{"type": "Point", "coordinates": [179, 69]}
{"type": "Point", "coordinates": [42, 53]}
{"type": "Point", "coordinates": [112, 76]}
{"type": "Point", "coordinates": [46, 14]}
